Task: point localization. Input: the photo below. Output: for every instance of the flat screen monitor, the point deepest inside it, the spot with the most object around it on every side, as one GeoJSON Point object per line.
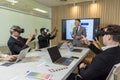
{"type": "Point", "coordinates": [90, 24]}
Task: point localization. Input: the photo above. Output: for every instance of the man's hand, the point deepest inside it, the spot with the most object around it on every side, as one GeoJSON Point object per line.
{"type": "Point", "coordinates": [53, 30]}
{"type": "Point", "coordinates": [77, 37]}
{"type": "Point", "coordinates": [74, 36]}
{"type": "Point", "coordinates": [56, 30]}
{"type": "Point", "coordinates": [82, 65]}
{"type": "Point", "coordinates": [35, 32]}
{"type": "Point", "coordinates": [10, 58]}
{"type": "Point", "coordinates": [84, 40]}
{"type": "Point", "coordinates": [97, 44]}
{"type": "Point", "coordinates": [29, 39]}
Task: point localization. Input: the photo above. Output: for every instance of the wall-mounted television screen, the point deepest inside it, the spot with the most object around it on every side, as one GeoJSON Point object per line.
{"type": "Point", "coordinates": [91, 25]}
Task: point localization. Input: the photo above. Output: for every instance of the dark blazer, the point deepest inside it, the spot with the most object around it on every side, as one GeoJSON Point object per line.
{"type": "Point", "coordinates": [102, 64]}
{"type": "Point", "coordinates": [15, 45]}
{"type": "Point", "coordinates": [94, 49]}
{"type": "Point", "coordinates": [82, 31]}
{"type": "Point", "coordinates": [44, 40]}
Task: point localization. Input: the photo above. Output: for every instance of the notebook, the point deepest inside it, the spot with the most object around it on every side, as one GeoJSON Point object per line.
{"type": "Point", "coordinates": [39, 76]}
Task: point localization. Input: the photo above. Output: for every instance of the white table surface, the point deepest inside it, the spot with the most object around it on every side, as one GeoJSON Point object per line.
{"type": "Point", "coordinates": [42, 64]}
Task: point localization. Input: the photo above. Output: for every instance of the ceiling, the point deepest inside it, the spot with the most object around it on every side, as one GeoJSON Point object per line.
{"type": "Point", "coordinates": [59, 2]}
{"type": "Point", "coordinates": [26, 6]}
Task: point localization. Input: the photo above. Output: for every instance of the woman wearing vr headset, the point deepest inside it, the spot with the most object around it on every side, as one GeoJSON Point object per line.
{"type": "Point", "coordinates": [16, 43]}
{"type": "Point", "coordinates": [105, 59]}
{"type": "Point", "coordinates": [45, 37]}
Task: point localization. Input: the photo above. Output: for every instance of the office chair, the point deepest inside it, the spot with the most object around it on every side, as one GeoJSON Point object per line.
{"type": "Point", "coordinates": [114, 73]}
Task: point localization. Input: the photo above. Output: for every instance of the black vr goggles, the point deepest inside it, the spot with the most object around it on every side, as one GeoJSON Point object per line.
{"type": "Point", "coordinates": [44, 29]}
{"type": "Point", "coordinates": [17, 28]}
{"type": "Point", "coordinates": [102, 33]}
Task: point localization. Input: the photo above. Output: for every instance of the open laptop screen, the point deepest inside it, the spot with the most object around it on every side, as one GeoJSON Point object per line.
{"type": "Point", "coordinates": [54, 53]}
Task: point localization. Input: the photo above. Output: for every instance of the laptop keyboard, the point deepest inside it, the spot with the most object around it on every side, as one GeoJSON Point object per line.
{"type": "Point", "coordinates": [64, 61]}
{"type": "Point", "coordinates": [77, 50]}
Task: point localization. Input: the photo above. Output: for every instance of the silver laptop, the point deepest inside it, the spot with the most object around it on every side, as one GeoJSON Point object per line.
{"type": "Point", "coordinates": [71, 48]}
{"type": "Point", "coordinates": [59, 44]}
{"type": "Point", "coordinates": [21, 56]}
{"type": "Point", "coordinates": [57, 58]}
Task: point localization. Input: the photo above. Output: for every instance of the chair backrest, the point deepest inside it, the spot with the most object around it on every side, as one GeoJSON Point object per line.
{"type": "Point", "coordinates": [32, 45]}
{"type": "Point", "coordinates": [114, 73]}
{"type": "Point", "coordinates": [5, 49]}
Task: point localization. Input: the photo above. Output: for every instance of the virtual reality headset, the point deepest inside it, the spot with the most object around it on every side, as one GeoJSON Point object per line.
{"type": "Point", "coordinates": [44, 29]}
{"type": "Point", "coordinates": [102, 33]}
{"type": "Point", "coordinates": [17, 28]}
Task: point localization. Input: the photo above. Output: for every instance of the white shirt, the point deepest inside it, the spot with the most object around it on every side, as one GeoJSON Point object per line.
{"type": "Point", "coordinates": [78, 28]}
{"type": "Point", "coordinates": [106, 47]}
{"type": "Point", "coordinates": [14, 37]}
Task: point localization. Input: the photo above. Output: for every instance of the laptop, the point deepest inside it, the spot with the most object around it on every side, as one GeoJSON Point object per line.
{"type": "Point", "coordinates": [71, 48]}
{"type": "Point", "coordinates": [57, 58]}
{"type": "Point", "coordinates": [59, 44]}
{"type": "Point", "coordinates": [21, 56]}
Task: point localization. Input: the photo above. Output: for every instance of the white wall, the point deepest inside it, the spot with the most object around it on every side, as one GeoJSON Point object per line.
{"type": "Point", "coordinates": [28, 22]}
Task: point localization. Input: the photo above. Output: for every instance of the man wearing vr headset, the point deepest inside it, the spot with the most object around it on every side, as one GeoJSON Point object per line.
{"type": "Point", "coordinates": [45, 37]}
{"type": "Point", "coordinates": [105, 59]}
{"type": "Point", "coordinates": [16, 43]}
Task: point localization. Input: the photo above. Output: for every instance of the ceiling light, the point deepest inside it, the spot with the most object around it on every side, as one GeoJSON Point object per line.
{"type": "Point", "coordinates": [12, 1]}
{"type": "Point", "coordinates": [40, 10]}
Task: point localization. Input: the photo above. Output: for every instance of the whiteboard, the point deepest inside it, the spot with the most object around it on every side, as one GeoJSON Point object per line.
{"type": "Point", "coordinates": [28, 22]}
